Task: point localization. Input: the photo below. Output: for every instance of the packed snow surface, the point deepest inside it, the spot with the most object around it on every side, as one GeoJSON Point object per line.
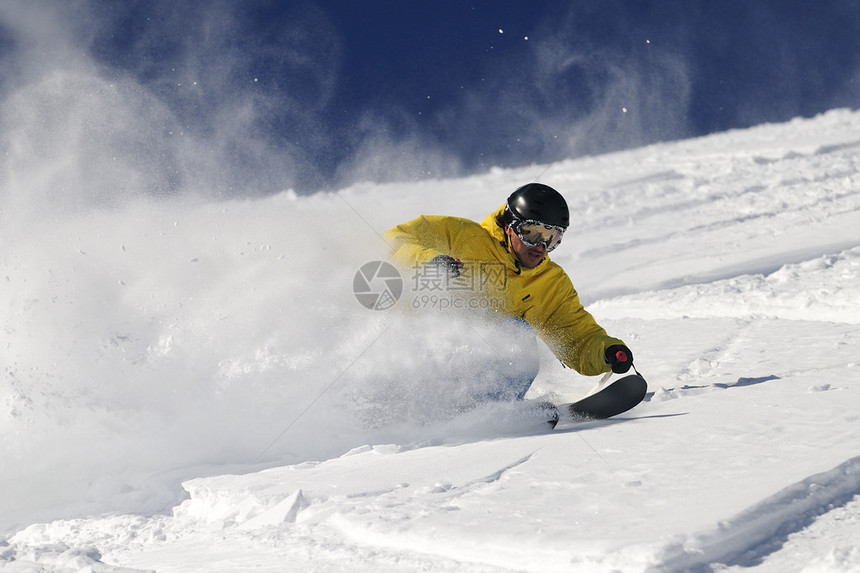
{"type": "Point", "coordinates": [191, 385]}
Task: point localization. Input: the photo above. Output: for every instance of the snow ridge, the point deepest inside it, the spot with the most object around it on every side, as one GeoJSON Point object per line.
{"type": "Point", "coordinates": [748, 538]}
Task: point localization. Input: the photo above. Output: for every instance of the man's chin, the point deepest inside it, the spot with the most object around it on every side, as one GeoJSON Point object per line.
{"type": "Point", "coordinates": [531, 263]}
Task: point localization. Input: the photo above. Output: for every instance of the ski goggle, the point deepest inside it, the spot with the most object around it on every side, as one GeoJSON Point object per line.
{"type": "Point", "coordinates": [534, 233]}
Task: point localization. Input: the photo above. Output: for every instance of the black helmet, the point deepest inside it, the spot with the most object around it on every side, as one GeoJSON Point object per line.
{"type": "Point", "coordinates": [537, 202]}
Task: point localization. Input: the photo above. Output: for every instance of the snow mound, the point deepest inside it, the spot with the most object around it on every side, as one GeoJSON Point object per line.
{"type": "Point", "coordinates": [821, 289]}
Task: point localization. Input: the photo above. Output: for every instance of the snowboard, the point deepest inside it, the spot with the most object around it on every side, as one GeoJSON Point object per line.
{"type": "Point", "coordinates": [611, 400]}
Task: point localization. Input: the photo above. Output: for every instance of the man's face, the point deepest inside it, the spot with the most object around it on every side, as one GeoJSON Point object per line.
{"type": "Point", "coordinates": [529, 257]}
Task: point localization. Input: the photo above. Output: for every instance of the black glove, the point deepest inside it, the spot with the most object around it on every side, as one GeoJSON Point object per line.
{"type": "Point", "coordinates": [619, 358]}
{"type": "Point", "coordinates": [448, 266]}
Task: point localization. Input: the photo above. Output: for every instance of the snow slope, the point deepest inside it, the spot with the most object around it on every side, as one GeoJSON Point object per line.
{"type": "Point", "coordinates": [191, 385]}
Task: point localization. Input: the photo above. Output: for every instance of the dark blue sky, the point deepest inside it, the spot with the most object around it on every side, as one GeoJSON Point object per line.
{"type": "Point", "coordinates": [336, 91]}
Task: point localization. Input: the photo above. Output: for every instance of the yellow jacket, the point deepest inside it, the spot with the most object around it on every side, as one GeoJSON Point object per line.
{"type": "Point", "coordinates": [543, 296]}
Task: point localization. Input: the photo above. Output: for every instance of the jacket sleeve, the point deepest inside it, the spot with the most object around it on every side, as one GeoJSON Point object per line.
{"type": "Point", "coordinates": [572, 333]}
{"type": "Point", "coordinates": [416, 242]}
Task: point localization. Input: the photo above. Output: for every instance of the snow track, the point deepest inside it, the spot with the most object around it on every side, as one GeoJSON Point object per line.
{"type": "Point", "coordinates": [748, 538]}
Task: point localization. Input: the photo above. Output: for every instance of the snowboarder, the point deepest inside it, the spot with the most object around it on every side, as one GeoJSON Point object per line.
{"type": "Point", "coordinates": [516, 238]}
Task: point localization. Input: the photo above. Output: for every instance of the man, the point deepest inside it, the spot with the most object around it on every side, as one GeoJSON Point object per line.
{"type": "Point", "coordinates": [517, 238]}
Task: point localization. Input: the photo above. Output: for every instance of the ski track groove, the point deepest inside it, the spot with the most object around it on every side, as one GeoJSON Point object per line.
{"type": "Point", "coordinates": [721, 353]}
{"type": "Point", "coordinates": [749, 537]}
